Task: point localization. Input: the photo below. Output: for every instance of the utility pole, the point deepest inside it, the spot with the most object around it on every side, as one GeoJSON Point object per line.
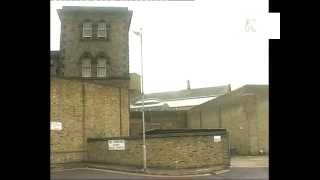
{"type": "Point", "coordinates": [139, 33]}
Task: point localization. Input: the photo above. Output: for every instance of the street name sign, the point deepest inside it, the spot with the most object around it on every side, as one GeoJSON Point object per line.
{"type": "Point", "coordinates": [217, 139]}
{"type": "Point", "coordinates": [116, 144]}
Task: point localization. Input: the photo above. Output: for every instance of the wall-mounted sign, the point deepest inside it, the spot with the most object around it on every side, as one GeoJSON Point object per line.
{"type": "Point", "coordinates": [217, 139]}
{"type": "Point", "coordinates": [116, 144]}
{"type": "Point", "coordinates": [55, 126]}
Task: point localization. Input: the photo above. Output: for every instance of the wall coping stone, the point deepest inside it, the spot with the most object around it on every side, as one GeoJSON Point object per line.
{"type": "Point", "coordinates": [166, 134]}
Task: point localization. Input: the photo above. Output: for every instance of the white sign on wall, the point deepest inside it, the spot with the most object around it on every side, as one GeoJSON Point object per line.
{"type": "Point", "coordinates": [217, 139]}
{"type": "Point", "coordinates": [116, 144]}
{"type": "Point", "coordinates": [55, 125]}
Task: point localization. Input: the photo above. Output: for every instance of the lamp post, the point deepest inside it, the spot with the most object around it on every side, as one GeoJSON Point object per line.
{"type": "Point", "coordinates": [139, 33]}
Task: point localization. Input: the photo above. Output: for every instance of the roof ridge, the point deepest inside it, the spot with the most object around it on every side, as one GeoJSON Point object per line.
{"type": "Point", "coordinates": [193, 97]}
{"type": "Point", "coordinates": [95, 8]}
{"type": "Point", "coordinates": [187, 90]}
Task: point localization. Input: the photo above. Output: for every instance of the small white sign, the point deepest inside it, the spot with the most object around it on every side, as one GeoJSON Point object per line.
{"type": "Point", "coordinates": [217, 139]}
{"type": "Point", "coordinates": [56, 126]}
{"type": "Point", "coordinates": [116, 144]}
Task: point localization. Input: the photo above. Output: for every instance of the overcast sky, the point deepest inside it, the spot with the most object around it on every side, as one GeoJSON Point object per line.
{"type": "Point", "coordinates": [204, 41]}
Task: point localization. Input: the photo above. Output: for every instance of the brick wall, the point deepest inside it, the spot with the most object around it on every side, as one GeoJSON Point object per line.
{"type": "Point", "coordinates": [160, 119]}
{"type": "Point", "coordinates": [263, 126]}
{"type": "Point", "coordinates": [164, 152]}
{"type": "Point", "coordinates": [169, 120]}
{"type": "Point", "coordinates": [86, 110]}
{"type": "Point", "coordinates": [243, 112]}
{"type": "Point", "coordinates": [135, 126]}
{"type": "Point", "coordinates": [66, 107]}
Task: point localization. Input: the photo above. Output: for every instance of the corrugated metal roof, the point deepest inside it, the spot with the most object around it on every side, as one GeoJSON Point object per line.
{"type": "Point", "coordinates": [188, 102]}
{"type": "Point", "coordinates": [172, 105]}
{"type": "Point", "coordinates": [179, 100]}
{"type": "Point", "coordinates": [190, 93]}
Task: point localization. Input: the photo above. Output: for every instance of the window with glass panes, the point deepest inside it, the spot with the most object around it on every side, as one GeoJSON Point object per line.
{"type": "Point", "coordinates": [102, 68]}
{"type": "Point", "coordinates": [102, 30]}
{"type": "Point", "coordinates": [87, 30]}
{"type": "Point", "coordinates": [86, 68]}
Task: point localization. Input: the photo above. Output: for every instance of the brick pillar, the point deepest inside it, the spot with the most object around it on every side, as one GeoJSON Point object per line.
{"type": "Point", "coordinates": [84, 129]}
{"type": "Point", "coordinates": [250, 107]}
{"type": "Point", "coordinates": [124, 111]}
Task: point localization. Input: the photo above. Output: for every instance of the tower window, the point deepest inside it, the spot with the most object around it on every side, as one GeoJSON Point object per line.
{"type": "Point", "coordinates": [102, 68]}
{"type": "Point", "coordinates": [102, 30]}
{"type": "Point", "coordinates": [87, 30]}
{"type": "Point", "coordinates": [86, 68]}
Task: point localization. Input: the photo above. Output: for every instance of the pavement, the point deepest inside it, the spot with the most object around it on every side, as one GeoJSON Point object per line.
{"type": "Point", "coordinates": [250, 161]}
{"type": "Point", "coordinates": [242, 167]}
{"type": "Point", "coordinates": [88, 174]}
{"type": "Point", "coordinates": [152, 171]}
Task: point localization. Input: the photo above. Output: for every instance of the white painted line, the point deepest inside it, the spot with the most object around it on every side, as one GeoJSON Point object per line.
{"type": "Point", "coordinates": [149, 175]}
{"type": "Point", "coordinates": [69, 169]}
{"type": "Point", "coordinates": [222, 171]}
{"type": "Point", "coordinates": [202, 169]}
{"type": "Point", "coordinates": [249, 166]}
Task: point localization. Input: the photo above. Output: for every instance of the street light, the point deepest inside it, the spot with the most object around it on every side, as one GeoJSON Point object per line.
{"type": "Point", "coordinates": [139, 33]}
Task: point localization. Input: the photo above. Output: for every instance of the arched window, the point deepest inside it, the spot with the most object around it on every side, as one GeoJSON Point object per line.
{"type": "Point", "coordinates": [101, 67]}
{"type": "Point", "coordinates": [86, 67]}
{"type": "Point", "coordinates": [86, 61]}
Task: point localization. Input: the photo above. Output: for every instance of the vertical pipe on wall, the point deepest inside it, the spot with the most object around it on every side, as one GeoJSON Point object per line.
{"type": "Point", "coordinates": [150, 114]}
{"type": "Point", "coordinates": [219, 114]}
{"type": "Point", "coordinates": [200, 119]}
{"type": "Point", "coordinates": [257, 122]}
{"type": "Point", "coordinates": [185, 119]}
{"type": "Point", "coordinates": [229, 139]}
{"type": "Point", "coordinates": [120, 109]}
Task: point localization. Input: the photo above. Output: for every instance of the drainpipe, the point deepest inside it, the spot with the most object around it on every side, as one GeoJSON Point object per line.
{"type": "Point", "coordinates": [200, 119]}
{"type": "Point", "coordinates": [219, 114]}
{"type": "Point", "coordinates": [229, 139]}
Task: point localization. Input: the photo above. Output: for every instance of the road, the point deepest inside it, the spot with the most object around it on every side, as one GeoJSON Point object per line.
{"type": "Point", "coordinates": [235, 173]}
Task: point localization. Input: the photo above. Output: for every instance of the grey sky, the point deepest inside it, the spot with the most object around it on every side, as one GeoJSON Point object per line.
{"type": "Point", "coordinates": [204, 41]}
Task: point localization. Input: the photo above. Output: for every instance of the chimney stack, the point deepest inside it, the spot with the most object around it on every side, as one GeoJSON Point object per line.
{"type": "Point", "coordinates": [229, 88]}
{"type": "Point", "coordinates": [188, 85]}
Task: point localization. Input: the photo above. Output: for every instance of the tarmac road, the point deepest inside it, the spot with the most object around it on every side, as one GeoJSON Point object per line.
{"type": "Point", "coordinates": [235, 173]}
